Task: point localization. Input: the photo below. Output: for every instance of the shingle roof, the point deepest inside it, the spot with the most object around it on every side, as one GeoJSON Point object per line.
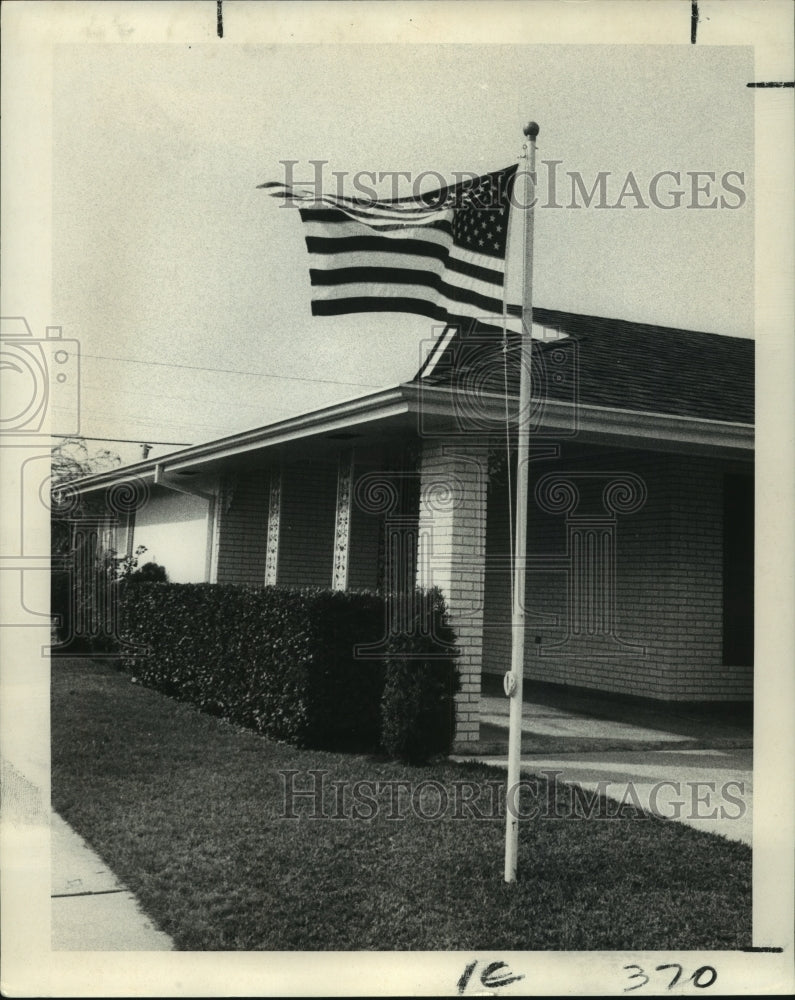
{"type": "Point", "coordinates": [618, 364]}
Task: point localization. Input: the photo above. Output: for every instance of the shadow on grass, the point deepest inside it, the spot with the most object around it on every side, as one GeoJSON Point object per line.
{"type": "Point", "coordinates": [199, 818]}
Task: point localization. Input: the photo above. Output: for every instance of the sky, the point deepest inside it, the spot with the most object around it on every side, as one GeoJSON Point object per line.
{"type": "Point", "coordinates": [187, 287]}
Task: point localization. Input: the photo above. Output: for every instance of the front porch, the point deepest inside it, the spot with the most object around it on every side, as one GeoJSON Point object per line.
{"type": "Point", "coordinates": [632, 574]}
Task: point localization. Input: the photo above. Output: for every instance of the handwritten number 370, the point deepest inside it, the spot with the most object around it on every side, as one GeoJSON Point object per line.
{"type": "Point", "coordinates": [702, 978]}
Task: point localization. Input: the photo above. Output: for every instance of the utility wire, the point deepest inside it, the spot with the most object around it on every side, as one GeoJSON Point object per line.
{"type": "Point", "coordinates": [182, 399]}
{"type": "Point", "coordinates": [228, 371]}
{"type": "Point", "coordinates": [82, 437]}
{"type": "Point", "coordinates": [127, 418]}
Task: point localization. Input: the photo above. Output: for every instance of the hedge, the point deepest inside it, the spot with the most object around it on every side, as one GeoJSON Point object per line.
{"type": "Point", "coordinates": [418, 701]}
{"type": "Point", "coordinates": [277, 660]}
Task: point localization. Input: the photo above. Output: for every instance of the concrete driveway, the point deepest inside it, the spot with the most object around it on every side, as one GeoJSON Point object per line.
{"type": "Point", "coordinates": [706, 784]}
{"type": "Point", "coordinates": [710, 790]}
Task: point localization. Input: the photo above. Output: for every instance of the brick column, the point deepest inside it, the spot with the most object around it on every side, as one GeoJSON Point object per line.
{"type": "Point", "coordinates": [452, 556]}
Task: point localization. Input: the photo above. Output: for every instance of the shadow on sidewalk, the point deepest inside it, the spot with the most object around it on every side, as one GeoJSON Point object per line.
{"type": "Point", "coordinates": [669, 726]}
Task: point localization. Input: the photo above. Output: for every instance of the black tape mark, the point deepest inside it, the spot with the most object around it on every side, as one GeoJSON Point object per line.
{"type": "Point", "coordinates": [693, 22]}
{"type": "Point", "coordinates": [220, 17]}
{"type": "Point", "coordinates": [777, 951]}
{"type": "Point", "coordinates": [782, 83]}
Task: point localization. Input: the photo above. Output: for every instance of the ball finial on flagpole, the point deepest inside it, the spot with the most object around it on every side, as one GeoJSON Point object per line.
{"type": "Point", "coordinates": [531, 130]}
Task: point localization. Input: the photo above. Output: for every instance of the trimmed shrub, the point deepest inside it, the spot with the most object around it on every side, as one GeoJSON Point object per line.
{"type": "Point", "coordinates": [282, 662]}
{"type": "Point", "coordinates": [418, 701]}
{"type": "Point", "coordinates": [277, 660]}
{"type": "Point", "coordinates": [150, 572]}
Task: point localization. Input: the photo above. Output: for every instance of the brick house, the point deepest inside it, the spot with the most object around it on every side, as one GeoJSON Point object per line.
{"type": "Point", "coordinates": [640, 551]}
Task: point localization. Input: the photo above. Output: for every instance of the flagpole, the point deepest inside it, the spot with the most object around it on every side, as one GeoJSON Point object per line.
{"type": "Point", "coordinates": [513, 680]}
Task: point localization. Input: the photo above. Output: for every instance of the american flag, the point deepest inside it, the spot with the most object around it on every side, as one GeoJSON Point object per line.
{"type": "Point", "coordinates": [440, 254]}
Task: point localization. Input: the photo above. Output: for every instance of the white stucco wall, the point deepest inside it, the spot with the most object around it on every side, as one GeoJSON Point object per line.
{"type": "Point", "coordinates": [174, 529]}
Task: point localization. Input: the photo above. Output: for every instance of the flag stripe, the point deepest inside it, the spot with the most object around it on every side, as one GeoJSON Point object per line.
{"type": "Point", "coordinates": [404, 304]}
{"type": "Point", "coordinates": [353, 251]}
{"type": "Point", "coordinates": [425, 244]}
{"type": "Point", "coordinates": [326, 211]}
{"type": "Point", "coordinates": [462, 279]}
{"type": "Point", "coordinates": [404, 240]}
{"type": "Point", "coordinates": [420, 211]}
{"type": "Point", "coordinates": [335, 217]}
{"type": "Point", "coordinates": [459, 300]}
{"type": "Point", "coordinates": [399, 277]}
{"type": "Point", "coordinates": [431, 201]}
{"type": "Point", "coordinates": [447, 299]}
{"type": "Point", "coordinates": [507, 174]}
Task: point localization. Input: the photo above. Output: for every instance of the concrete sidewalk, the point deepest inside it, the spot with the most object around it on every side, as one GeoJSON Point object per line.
{"type": "Point", "coordinates": [91, 909]}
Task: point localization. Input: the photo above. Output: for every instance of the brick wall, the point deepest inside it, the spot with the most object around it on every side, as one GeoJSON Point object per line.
{"type": "Point", "coordinates": [667, 570]}
{"type": "Point", "coordinates": [668, 585]}
{"type": "Point", "coordinates": [367, 527]}
{"type": "Point", "coordinates": [243, 527]}
{"type": "Point", "coordinates": [696, 647]}
{"type": "Point", "coordinates": [306, 537]}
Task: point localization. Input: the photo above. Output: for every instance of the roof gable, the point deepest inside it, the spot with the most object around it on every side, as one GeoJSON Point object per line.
{"type": "Point", "coordinates": [610, 363]}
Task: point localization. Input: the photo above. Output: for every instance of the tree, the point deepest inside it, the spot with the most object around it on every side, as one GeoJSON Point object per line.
{"type": "Point", "coordinates": [71, 460]}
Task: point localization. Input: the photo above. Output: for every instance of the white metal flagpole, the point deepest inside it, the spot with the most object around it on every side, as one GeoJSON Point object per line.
{"type": "Point", "coordinates": [513, 680]}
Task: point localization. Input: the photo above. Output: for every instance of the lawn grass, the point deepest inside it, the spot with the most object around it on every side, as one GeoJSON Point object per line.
{"type": "Point", "coordinates": [187, 810]}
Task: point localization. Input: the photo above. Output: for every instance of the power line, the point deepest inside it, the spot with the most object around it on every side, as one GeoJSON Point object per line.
{"type": "Point", "coordinates": [126, 418]}
{"type": "Point", "coordinates": [183, 399]}
{"type": "Point", "coordinates": [229, 371]}
{"type": "Point", "coordinates": [82, 437]}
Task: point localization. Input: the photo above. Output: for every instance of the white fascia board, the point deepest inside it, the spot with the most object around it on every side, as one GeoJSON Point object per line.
{"type": "Point", "coordinates": [596, 424]}
{"type": "Point", "coordinates": [377, 406]}
{"type": "Point", "coordinates": [601, 424]}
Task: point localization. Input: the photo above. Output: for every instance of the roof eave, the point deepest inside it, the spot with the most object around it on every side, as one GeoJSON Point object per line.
{"type": "Point", "coordinates": [597, 424]}
{"type": "Point", "coordinates": [388, 403]}
{"type": "Point", "coordinates": [594, 424]}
